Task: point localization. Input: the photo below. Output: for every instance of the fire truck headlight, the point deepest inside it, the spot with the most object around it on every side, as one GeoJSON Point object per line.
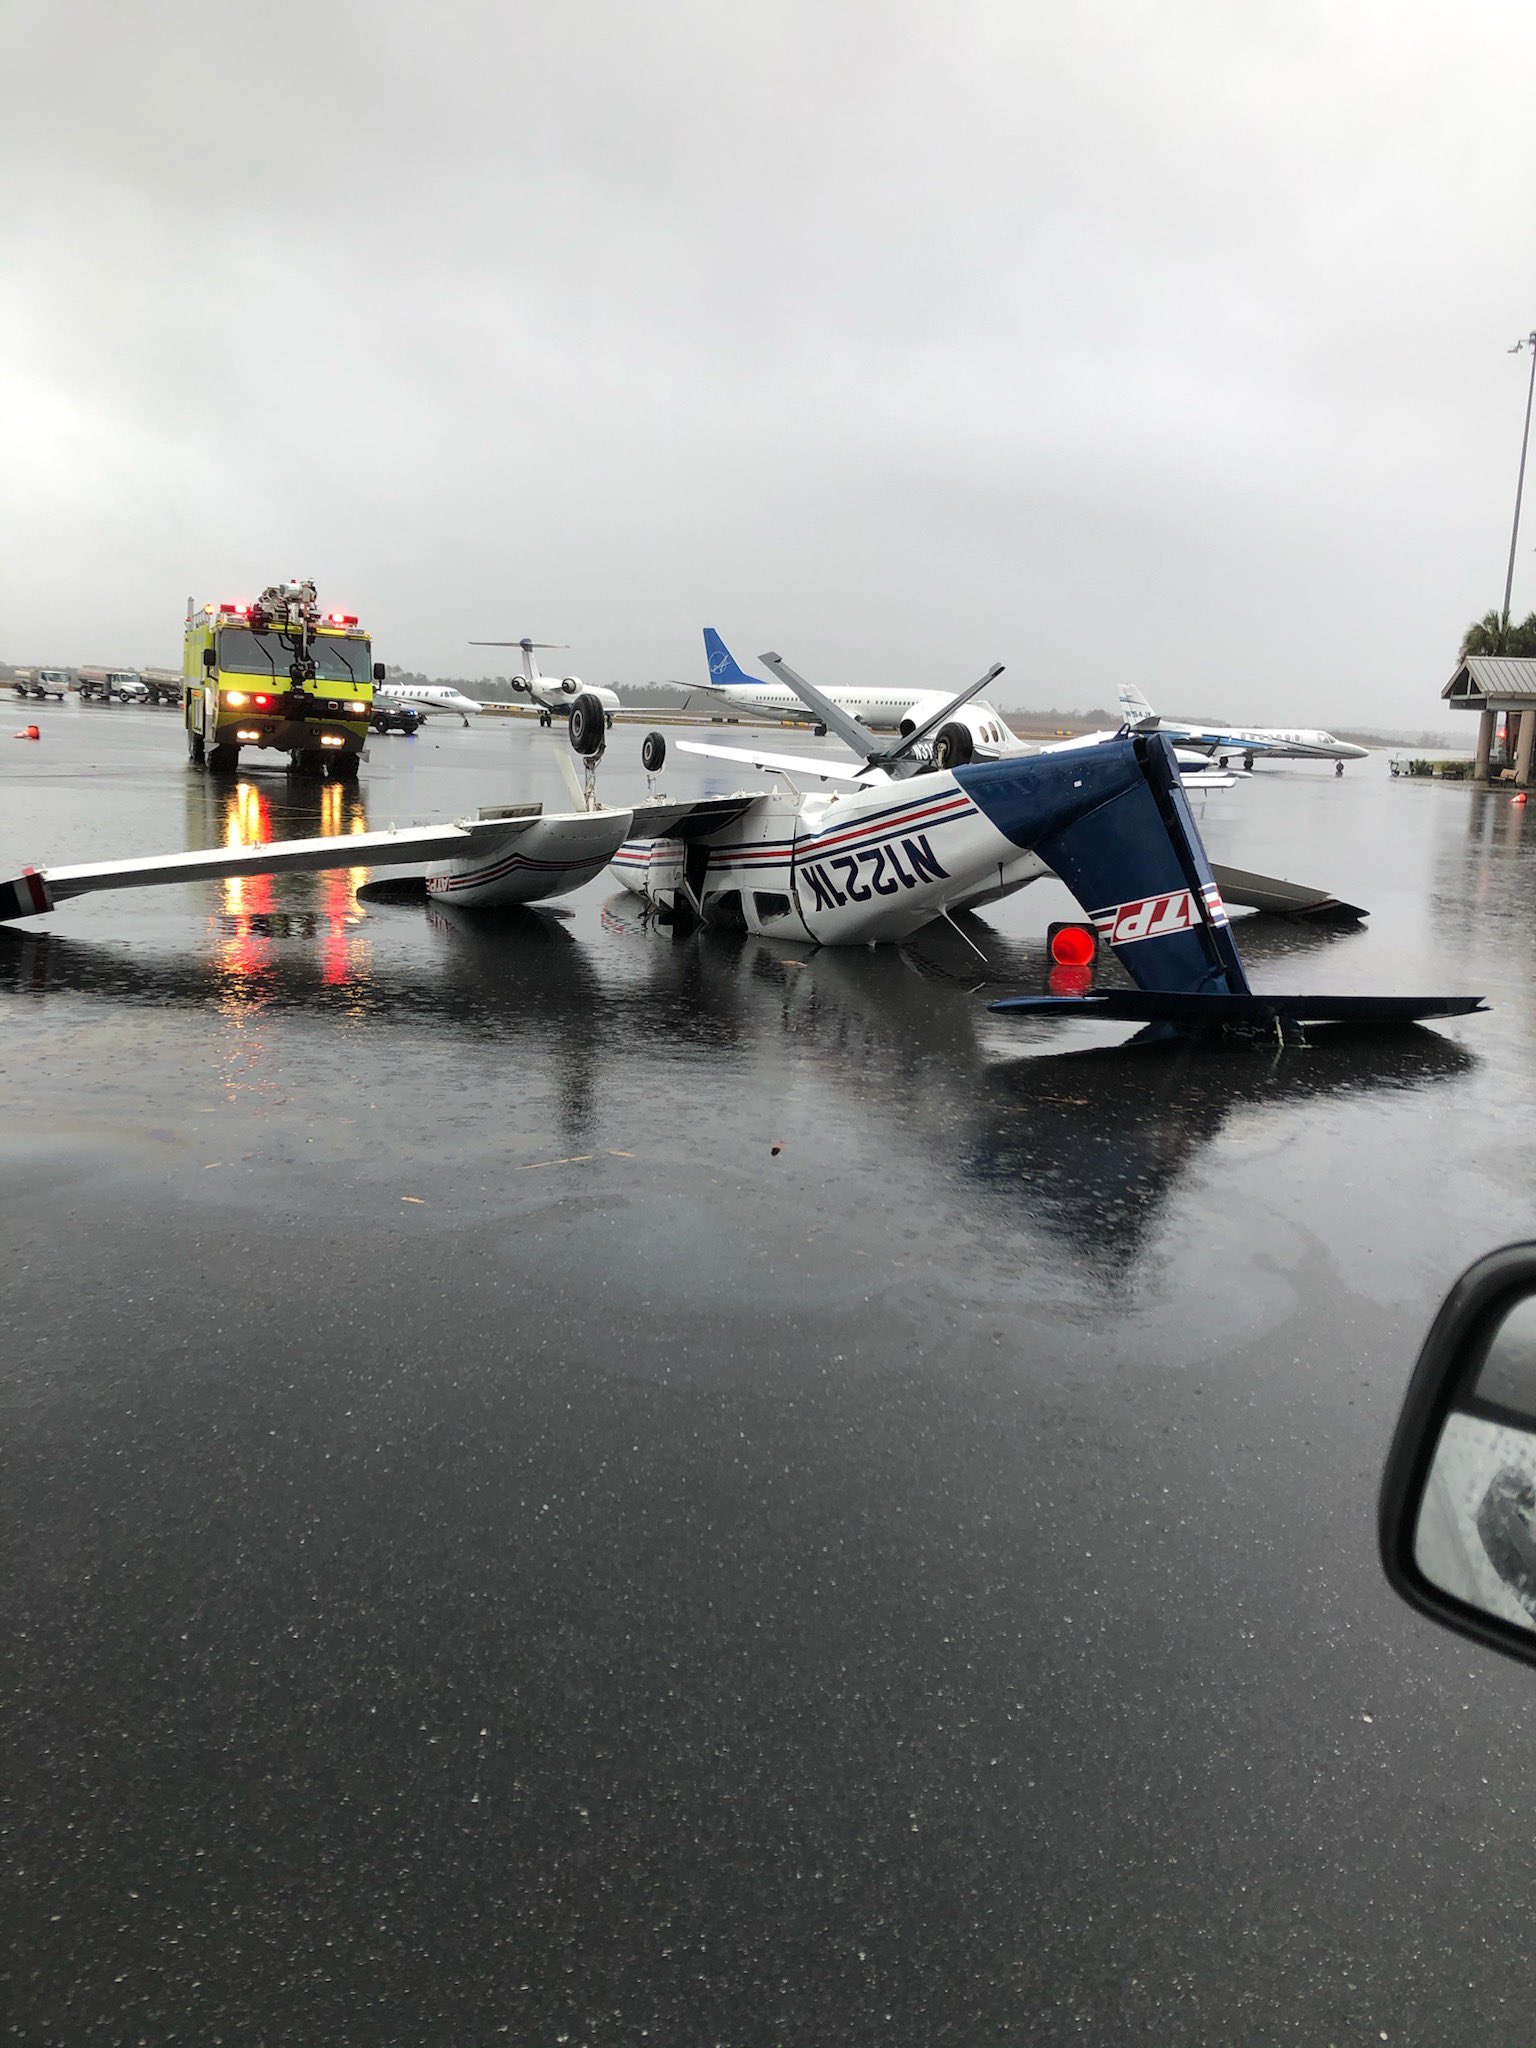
{"type": "Point", "coordinates": [357, 710]}
{"type": "Point", "coordinates": [235, 698]}
{"type": "Point", "coordinates": [332, 739]}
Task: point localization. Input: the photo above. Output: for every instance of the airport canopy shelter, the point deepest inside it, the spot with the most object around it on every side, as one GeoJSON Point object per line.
{"type": "Point", "coordinates": [1503, 688]}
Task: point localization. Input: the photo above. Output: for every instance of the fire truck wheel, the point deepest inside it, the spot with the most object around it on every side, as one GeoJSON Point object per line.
{"type": "Point", "coordinates": [344, 768]}
{"type": "Point", "coordinates": [195, 749]}
{"type": "Point", "coordinates": [222, 760]}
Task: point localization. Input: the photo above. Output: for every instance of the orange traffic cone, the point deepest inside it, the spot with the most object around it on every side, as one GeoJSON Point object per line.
{"type": "Point", "coordinates": [29, 732]}
{"type": "Point", "coordinates": [1518, 798]}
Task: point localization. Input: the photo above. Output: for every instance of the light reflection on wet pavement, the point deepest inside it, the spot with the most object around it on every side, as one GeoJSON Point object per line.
{"type": "Point", "coordinates": [500, 1552]}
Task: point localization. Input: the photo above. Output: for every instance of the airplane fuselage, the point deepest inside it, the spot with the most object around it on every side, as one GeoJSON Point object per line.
{"type": "Point", "coordinates": [438, 696]}
{"type": "Point", "coordinates": [1279, 742]}
{"type": "Point", "coordinates": [559, 693]}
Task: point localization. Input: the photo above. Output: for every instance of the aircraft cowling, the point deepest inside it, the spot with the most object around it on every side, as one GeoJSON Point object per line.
{"type": "Point", "coordinates": [570, 685]}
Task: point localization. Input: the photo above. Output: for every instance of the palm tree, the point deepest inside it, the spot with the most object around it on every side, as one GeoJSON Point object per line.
{"type": "Point", "coordinates": [1493, 634]}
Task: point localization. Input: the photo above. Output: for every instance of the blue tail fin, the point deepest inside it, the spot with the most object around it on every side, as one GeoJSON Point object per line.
{"type": "Point", "coordinates": [1116, 826]}
{"type": "Point", "coordinates": [723, 665]}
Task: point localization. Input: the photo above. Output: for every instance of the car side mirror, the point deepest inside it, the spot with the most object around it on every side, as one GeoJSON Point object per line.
{"type": "Point", "coordinates": [210, 660]}
{"type": "Point", "coordinates": [1457, 1518]}
{"type": "Point", "coordinates": [378, 671]}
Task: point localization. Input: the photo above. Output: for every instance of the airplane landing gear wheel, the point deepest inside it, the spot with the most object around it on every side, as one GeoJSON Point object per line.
{"type": "Point", "coordinates": [953, 746]}
{"type": "Point", "coordinates": [587, 728]}
{"type": "Point", "coordinates": [545, 719]}
{"type": "Point", "coordinates": [653, 752]}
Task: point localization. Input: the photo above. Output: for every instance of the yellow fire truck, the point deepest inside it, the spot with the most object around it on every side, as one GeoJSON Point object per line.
{"type": "Point", "coordinates": [278, 673]}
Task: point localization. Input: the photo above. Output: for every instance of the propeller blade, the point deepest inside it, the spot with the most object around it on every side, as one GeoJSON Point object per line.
{"type": "Point", "coordinates": [551, 645]}
{"type": "Point", "coordinates": [853, 732]}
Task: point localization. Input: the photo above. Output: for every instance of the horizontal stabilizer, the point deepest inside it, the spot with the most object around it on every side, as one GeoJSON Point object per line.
{"type": "Point", "coordinates": [1283, 899]}
{"type": "Point", "coordinates": [1202, 1012]}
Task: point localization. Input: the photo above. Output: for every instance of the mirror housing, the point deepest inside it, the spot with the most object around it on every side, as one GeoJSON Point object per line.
{"type": "Point", "coordinates": [210, 660]}
{"type": "Point", "coordinates": [1456, 1520]}
{"type": "Point", "coordinates": [378, 671]}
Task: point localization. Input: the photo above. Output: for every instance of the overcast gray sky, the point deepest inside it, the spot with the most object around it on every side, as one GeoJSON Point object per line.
{"type": "Point", "coordinates": [1150, 337]}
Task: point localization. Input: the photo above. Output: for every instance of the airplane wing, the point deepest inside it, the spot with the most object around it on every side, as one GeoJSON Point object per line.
{"type": "Point", "coordinates": [816, 765]}
{"type": "Point", "coordinates": [1224, 742]}
{"type": "Point", "coordinates": [35, 891]}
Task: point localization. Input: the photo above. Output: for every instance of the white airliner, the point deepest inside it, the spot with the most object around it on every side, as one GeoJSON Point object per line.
{"type": "Point", "coordinates": [1278, 742]}
{"type": "Point", "coordinates": [554, 695]}
{"type": "Point", "coordinates": [428, 697]}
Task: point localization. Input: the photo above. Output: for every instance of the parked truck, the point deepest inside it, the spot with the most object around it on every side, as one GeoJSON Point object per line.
{"type": "Point", "coordinates": [111, 685]}
{"type": "Point", "coordinates": [163, 685]}
{"type": "Point", "coordinates": [40, 683]}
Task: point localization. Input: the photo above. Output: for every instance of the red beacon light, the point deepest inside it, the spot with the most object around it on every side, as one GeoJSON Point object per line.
{"type": "Point", "coordinates": [1073, 945]}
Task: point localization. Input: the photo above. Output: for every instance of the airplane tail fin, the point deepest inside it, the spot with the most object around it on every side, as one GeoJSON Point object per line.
{"type": "Point", "coordinates": [1139, 868]}
{"type": "Point", "coordinates": [1115, 825]}
{"type": "Point", "coordinates": [1134, 708]}
{"type": "Point", "coordinates": [723, 665]}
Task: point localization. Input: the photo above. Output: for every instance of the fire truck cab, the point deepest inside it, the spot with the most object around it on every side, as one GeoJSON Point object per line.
{"type": "Point", "coordinates": [279, 673]}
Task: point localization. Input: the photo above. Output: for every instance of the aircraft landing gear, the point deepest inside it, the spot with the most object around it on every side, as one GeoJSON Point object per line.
{"type": "Point", "coordinates": [1338, 767]}
{"type": "Point", "coordinates": [545, 719]}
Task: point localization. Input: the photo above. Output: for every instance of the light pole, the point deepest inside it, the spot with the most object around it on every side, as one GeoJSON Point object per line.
{"type": "Point", "coordinates": [1527, 346]}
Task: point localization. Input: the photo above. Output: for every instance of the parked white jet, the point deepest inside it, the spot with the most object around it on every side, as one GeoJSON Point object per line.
{"type": "Point", "coordinates": [977, 728]}
{"type": "Point", "coordinates": [1277, 742]}
{"type": "Point", "coordinates": [428, 697]}
{"type": "Point", "coordinates": [554, 695]}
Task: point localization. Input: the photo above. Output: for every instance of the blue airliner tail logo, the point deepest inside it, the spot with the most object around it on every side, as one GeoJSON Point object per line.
{"type": "Point", "coordinates": [723, 666]}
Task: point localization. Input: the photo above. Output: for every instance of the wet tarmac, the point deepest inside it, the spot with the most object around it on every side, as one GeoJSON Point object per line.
{"type": "Point", "coordinates": [567, 1483]}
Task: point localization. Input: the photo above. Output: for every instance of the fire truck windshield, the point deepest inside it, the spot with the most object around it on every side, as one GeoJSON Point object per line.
{"type": "Point", "coordinates": [243, 653]}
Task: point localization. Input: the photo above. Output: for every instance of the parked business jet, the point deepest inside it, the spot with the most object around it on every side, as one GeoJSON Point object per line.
{"type": "Point", "coordinates": [1277, 742]}
{"type": "Point", "coordinates": [428, 697]}
{"type": "Point", "coordinates": [554, 695]}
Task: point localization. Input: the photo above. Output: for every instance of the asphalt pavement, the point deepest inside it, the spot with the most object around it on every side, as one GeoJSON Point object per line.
{"type": "Point", "coordinates": [567, 1483]}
